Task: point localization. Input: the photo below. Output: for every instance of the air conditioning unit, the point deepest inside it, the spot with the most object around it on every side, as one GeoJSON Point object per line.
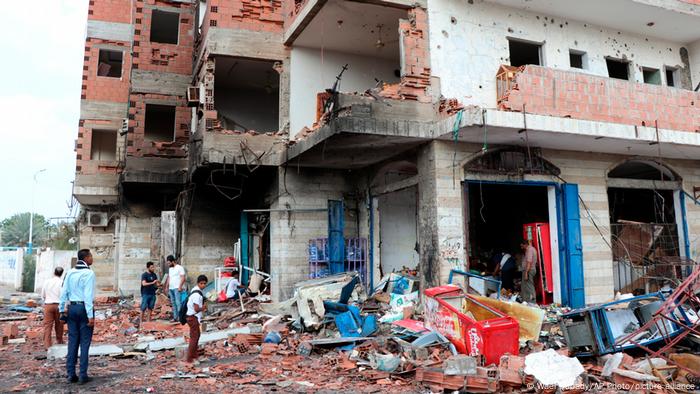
{"type": "Point", "coordinates": [193, 96]}
{"type": "Point", "coordinates": [97, 219]}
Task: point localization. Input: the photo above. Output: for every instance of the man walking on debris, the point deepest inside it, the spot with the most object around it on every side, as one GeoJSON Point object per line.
{"type": "Point", "coordinates": [175, 283]}
{"type": "Point", "coordinates": [527, 290]}
{"type": "Point", "coordinates": [76, 307]}
{"type": "Point", "coordinates": [51, 294]}
{"type": "Point", "coordinates": [195, 306]}
{"type": "Point", "coordinates": [149, 283]}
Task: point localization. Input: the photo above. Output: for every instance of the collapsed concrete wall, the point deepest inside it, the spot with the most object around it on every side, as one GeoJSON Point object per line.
{"type": "Point", "coordinates": [313, 71]}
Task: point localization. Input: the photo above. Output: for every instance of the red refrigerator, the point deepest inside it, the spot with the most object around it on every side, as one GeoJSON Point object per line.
{"type": "Point", "coordinates": [538, 235]}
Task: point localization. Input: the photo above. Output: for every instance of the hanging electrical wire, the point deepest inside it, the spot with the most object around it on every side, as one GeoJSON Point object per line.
{"type": "Point", "coordinates": [455, 138]}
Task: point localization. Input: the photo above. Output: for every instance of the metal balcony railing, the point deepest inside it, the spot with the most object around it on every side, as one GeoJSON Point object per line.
{"type": "Point", "coordinates": [647, 256]}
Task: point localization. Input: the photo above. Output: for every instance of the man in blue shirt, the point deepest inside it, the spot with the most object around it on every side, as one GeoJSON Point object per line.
{"type": "Point", "coordinates": [78, 292]}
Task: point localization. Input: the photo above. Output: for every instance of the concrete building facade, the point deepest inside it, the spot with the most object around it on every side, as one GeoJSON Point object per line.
{"type": "Point", "coordinates": [424, 134]}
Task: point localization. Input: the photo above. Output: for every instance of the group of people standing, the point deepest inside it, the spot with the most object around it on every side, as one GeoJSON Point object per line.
{"type": "Point", "coordinates": [175, 283]}
{"type": "Point", "coordinates": [70, 300]}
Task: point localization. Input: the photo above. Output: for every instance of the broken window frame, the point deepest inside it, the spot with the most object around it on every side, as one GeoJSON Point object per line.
{"type": "Point", "coordinates": [540, 50]}
{"type": "Point", "coordinates": [177, 26]}
{"type": "Point", "coordinates": [627, 63]}
{"type": "Point", "coordinates": [107, 52]}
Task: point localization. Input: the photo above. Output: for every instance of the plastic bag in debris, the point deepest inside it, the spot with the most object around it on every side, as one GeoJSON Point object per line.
{"type": "Point", "coordinates": [384, 362]}
{"type": "Point", "coordinates": [552, 368]}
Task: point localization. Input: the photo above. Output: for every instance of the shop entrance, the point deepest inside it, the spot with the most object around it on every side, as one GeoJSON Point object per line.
{"type": "Point", "coordinates": [500, 216]}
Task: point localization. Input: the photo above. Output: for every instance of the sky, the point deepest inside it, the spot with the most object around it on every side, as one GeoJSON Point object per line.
{"type": "Point", "coordinates": [40, 78]}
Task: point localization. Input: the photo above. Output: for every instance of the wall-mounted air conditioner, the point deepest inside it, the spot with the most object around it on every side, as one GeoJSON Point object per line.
{"type": "Point", "coordinates": [97, 219]}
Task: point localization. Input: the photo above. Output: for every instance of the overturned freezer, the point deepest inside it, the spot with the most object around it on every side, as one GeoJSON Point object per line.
{"type": "Point", "coordinates": [598, 330]}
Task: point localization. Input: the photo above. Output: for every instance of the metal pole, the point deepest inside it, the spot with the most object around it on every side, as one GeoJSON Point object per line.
{"type": "Point", "coordinates": [31, 214]}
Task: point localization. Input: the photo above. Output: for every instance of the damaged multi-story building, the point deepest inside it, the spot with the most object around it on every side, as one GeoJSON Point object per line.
{"type": "Point", "coordinates": [326, 135]}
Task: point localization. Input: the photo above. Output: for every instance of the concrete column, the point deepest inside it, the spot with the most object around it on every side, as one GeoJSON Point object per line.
{"type": "Point", "coordinates": [440, 213]}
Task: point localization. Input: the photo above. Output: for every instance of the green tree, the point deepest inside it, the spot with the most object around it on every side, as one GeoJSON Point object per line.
{"type": "Point", "coordinates": [62, 236]}
{"type": "Point", "coordinates": [14, 231]}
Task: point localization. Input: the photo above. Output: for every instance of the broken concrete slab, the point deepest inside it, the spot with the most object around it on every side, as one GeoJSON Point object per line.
{"type": "Point", "coordinates": [214, 336]}
{"type": "Point", "coordinates": [460, 365]}
{"type": "Point", "coordinates": [160, 344]}
{"type": "Point", "coordinates": [61, 351]}
{"type": "Point", "coordinates": [152, 344]}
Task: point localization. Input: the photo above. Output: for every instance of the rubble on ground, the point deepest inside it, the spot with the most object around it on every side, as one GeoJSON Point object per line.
{"type": "Point", "coordinates": [333, 336]}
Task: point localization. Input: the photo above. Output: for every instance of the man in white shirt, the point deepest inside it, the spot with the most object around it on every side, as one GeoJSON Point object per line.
{"type": "Point", "coordinates": [195, 306]}
{"type": "Point", "coordinates": [175, 285]}
{"type": "Point", "coordinates": [51, 294]}
{"type": "Point", "coordinates": [234, 288]}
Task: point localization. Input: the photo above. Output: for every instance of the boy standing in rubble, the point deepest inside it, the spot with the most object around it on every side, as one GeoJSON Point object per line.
{"type": "Point", "coordinates": [149, 283]}
{"type": "Point", "coordinates": [195, 306]}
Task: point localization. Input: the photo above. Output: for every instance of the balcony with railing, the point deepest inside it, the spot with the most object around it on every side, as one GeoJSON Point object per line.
{"type": "Point", "coordinates": [547, 91]}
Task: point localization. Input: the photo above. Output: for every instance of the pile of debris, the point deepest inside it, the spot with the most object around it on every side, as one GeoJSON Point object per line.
{"type": "Point", "coordinates": [332, 335]}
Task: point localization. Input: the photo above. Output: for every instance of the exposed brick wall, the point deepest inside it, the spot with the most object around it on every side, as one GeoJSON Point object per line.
{"type": "Point", "coordinates": [246, 14]}
{"type": "Point", "coordinates": [547, 91]}
{"type": "Point", "coordinates": [416, 71]}
{"type": "Point", "coordinates": [104, 88]}
{"type": "Point", "coordinates": [291, 9]}
{"type": "Point", "coordinates": [110, 10]}
{"type": "Point", "coordinates": [155, 56]}
{"type": "Point", "coordinates": [98, 88]}
{"type": "Point", "coordinates": [137, 147]}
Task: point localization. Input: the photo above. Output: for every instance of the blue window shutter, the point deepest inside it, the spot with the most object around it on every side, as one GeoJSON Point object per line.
{"type": "Point", "coordinates": [574, 250]}
{"type": "Point", "coordinates": [336, 239]}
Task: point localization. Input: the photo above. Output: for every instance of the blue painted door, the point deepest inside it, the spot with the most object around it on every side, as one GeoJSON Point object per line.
{"type": "Point", "coordinates": [244, 247]}
{"type": "Point", "coordinates": [561, 234]}
{"type": "Point", "coordinates": [573, 271]}
{"type": "Point", "coordinates": [336, 239]}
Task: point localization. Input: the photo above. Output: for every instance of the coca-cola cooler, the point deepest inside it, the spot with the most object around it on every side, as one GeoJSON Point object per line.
{"type": "Point", "coordinates": [538, 235]}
